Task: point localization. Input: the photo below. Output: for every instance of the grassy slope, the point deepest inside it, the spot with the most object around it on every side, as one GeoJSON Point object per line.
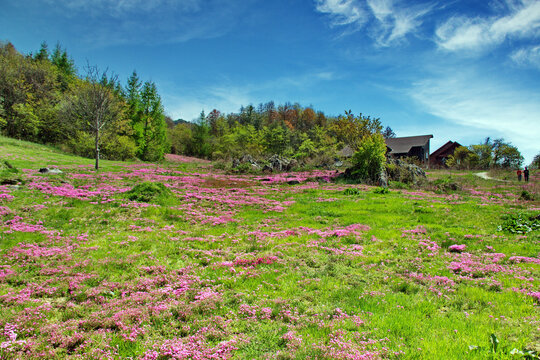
{"type": "Point", "coordinates": [387, 291]}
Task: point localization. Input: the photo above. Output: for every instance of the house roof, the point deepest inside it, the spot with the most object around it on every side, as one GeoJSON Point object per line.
{"type": "Point", "coordinates": [449, 146]}
{"type": "Point", "coordinates": [402, 145]}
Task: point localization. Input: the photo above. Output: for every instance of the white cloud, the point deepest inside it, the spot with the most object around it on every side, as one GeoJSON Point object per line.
{"type": "Point", "coordinates": [392, 21]}
{"type": "Point", "coordinates": [489, 107]}
{"type": "Point", "coordinates": [463, 33]}
{"type": "Point", "coordinates": [342, 12]}
{"type": "Point", "coordinates": [526, 57]}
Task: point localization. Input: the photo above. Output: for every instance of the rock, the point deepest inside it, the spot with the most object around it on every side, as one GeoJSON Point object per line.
{"type": "Point", "coordinates": [383, 178]}
{"type": "Point", "coordinates": [338, 164]}
{"type": "Point", "coordinates": [50, 171]}
{"type": "Point", "coordinates": [9, 181]}
{"type": "Point", "coordinates": [293, 182]}
{"type": "Point", "coordinates": [399, 170]}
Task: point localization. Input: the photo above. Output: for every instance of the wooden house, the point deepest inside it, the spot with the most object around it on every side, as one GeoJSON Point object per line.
{"type": "Point", "coordinates": [410, 146]}
{"type": "Point", "coordinates": [438, 158]}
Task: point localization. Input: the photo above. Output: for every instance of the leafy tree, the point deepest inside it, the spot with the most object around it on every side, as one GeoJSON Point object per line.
{"type": "Point", "coordinates": [509, 156]}
{"type": "Point", "coordinates": [181, 139]}
{"type": "Point", "coordinates": [95, 107]}
{"type": "Point", "coordinates": [483, 153]}
{"type": "Point", "coordinates": [459, 158]}
{"type": "Point", "coordinates": [369, 159]}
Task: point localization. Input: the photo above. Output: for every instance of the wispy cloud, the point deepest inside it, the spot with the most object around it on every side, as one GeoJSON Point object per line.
{"type": "Point", "coordinates": [112, 22]}
{"type": "Point", "coordinates": [527, 57]}
{"type": "Point", "coordinates": [396, 21]}
{"type": "Point", "coordinates": [342, 12]}
{"type": "Point", "coordinates": [388, 21]}
{"type": "Point", "coordinates": [488, 106]}
{"type": "Point", "coordinates": [522, 20]}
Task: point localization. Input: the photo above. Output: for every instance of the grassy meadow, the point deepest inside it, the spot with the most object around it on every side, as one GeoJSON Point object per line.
{"type": "Point", "coordinates": [220, 266]}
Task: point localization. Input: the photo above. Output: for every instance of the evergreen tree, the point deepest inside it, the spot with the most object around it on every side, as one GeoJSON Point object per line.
{"type": "Point", "coordinates": [43, 54]}
{"type": "Point", "coordinates": [153, 142]}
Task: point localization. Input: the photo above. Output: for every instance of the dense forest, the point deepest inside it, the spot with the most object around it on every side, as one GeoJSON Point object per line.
{"type": "Point", "coordinates": [45, 99]}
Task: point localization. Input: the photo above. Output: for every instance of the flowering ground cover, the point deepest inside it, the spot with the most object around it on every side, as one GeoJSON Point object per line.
{"type": "Point", "coordinates": [243, 267]}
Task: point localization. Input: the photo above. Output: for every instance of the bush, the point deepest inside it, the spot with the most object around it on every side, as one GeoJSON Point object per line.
{"type": "Point", "coordinates": [148, 192]}
{"type": "Point", "coordinates": [525, 195]}
{"type": "Point", "coordinates": [369, 159]}
{"type": "Point", "coordinates": [119, 148]}
{"type": "Point", "coordinates": [82, 144]}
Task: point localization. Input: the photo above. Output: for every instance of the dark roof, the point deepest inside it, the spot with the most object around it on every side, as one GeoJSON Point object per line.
{"type": "Point", "coordinates": [449, 146]}
{"type": "Point", "coordinates": [402, 145]}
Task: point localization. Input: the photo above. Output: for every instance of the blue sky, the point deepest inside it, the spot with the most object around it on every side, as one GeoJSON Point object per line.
{"type": "Point", "coordinates": [460, 70]}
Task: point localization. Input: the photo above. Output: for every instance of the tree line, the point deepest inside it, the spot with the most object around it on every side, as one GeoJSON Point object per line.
{"type": "Point", "coordinates": [491, 153]}
{"type": "Point", "coordinates": [289, 130]}
{"type": "Point", "coordinates": [43, 99]}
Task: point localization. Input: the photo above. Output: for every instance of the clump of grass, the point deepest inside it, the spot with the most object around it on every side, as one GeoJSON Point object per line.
{"type": "Point", "coordinates": [525, 195]}
{"type": "Point", "coordinates": [351, 191]}
{"type": "Point", "coordinates": [148, 192]}
{"type": "Point", "coordinates": [399, 185]}
{"type": "Point", "coordinates": [446, 185]}
{"type": "Point", "coordinates": [9, 174]}
{"type": "Point", "coordinates": [381, 190]}
{"type": "Point", "coordinates": [520, 223]}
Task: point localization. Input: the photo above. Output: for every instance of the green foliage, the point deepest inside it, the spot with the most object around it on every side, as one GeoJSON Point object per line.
{"type": "Point", "coordinates": [535, 164]}
{"type": "Point", "coordinates": [369, 159]}
{"type": "Point", "coordinates": [352, 191]}
{"type": "Point", "coordinates": [149, 125]}
{"type": "Point", "coordinates": [121, 147]}
{"type": "Point", "coordinates": [201, 137]}
{"type": "Point", "coordinates": [520, 223]}
{"type": "Point", "coordinates": [398, 185]}
{"type": "Point", "coordinates": [148, 192]}
{"type": "Point", "coordinates": [446, 185]}
{"type": "Point", "coordinates": [525, 195]}
{"type": "Point", "coordinates": [381, 190]}
{"type": "Point", "coordinates": [82, 143]}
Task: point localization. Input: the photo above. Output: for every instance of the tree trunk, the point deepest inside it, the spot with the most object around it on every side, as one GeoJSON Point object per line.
{"type": "Point", "coordinates": [97, 150]}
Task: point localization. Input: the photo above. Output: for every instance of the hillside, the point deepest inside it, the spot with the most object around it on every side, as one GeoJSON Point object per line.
{"type": "Point", "coordinates": [215, 266]}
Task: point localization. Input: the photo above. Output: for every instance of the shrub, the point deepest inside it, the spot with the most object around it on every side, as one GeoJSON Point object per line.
{"type": "Point", "coordinates": [525, 195]}
{"type": "Point", "coordinates": [370, 158]}
{"type": "Point", "coordinates": [82, 144]}
{"type": "Point", "coordinates": [148, 192]}
{"type": "Point", "coordinates": [119, 148]}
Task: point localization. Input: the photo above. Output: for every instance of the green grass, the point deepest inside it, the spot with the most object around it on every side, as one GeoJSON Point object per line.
{"type": "Point", "coordinates": [126, 279]}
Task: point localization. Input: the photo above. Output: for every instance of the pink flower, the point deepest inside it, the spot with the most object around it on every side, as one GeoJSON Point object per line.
{"type": "Point", "coordinates": [457, 248]}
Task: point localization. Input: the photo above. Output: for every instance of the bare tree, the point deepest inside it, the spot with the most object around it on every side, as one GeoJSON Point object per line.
{"type": "Point", "coordinates": [95, 105]}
